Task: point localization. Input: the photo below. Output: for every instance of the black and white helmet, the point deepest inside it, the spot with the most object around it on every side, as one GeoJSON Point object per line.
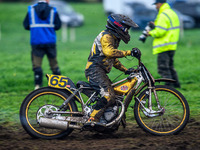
{"type": "Point", "coordinates": [120, 24]}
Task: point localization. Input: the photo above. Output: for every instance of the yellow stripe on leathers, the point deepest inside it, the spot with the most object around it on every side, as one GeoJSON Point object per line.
{"type": "Point", "coordinates": [88, 64]}
{"type": "Point", "coordinates": [93, 114]}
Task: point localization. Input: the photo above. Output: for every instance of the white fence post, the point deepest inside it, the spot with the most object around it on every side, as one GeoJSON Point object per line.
{"type": "Point", "coordinates": [181, 28]}
{"type": "Point", "coordinates": [0, 32]}
{"type": "Point", "coordinates": [64, 32]}
{"type": "Point", "coordinates": [72, 34]}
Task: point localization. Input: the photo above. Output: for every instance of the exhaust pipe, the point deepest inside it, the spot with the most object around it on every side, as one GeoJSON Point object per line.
{"type": "Point", "coordinates": [53, 123]}
{"type": "Point", "coordinates": [57, 124]}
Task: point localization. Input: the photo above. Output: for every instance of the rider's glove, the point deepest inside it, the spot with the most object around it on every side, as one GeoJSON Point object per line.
{"type": "Point", "coordinates": [136, 53]}
{"type": "Point", "coordinates": [129, 71]}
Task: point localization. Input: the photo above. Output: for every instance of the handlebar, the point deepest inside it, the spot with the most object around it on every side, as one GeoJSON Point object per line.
{"type": "Point", "coordinates": [141, 67]}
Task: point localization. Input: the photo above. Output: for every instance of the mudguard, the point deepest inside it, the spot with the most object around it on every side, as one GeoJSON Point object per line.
{"type": "Point", "coordinates": [164, 80]}
{"type": "Point", "coordinates": [62, 82]}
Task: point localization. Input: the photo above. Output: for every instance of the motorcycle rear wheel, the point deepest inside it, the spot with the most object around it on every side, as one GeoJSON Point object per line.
{"type": "Point", "coordinates": [174, 118]}
{"type": "Point", "coordinates": [39, 100]}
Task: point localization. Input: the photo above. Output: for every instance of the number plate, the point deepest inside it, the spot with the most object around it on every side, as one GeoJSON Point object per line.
{"type": "Point", "coordinates": [58, 81]}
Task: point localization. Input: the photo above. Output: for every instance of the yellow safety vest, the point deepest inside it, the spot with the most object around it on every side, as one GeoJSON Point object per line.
{"type": "Point", "coordinates": [167, 29]}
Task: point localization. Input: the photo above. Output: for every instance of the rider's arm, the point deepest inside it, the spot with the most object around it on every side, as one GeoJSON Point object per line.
{"type": "Point", "coordinates": [118, 65]}
{"type": "Point", "coordinates": [107, 42]}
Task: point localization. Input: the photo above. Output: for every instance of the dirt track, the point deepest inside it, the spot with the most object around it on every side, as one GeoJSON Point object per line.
{"type": "Point", "coordinates": [130, 138]}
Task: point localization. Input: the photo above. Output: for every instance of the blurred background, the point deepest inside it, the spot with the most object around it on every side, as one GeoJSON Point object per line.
{"type": "Point", "coordinates": [142, 11]}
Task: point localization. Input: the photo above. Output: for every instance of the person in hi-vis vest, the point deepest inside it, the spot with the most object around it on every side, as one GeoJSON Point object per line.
{"type": "Point", "coordinates": [42, 20]}
{"type": "Point", "coordinates": [166, 36]}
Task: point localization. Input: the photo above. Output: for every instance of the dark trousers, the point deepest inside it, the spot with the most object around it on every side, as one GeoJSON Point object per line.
{"type": "Point", "coordinates": [166, 67]}
{"type": "Point", "coordinates": [37, 55]}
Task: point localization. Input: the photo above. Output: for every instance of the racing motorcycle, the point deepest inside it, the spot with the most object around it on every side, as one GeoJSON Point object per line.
{"type": "Point", "coordinates": [55, 111]}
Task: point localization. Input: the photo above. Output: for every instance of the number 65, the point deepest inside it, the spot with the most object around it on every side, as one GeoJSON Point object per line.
{"type": "Point", "coordinates": [59, 81]}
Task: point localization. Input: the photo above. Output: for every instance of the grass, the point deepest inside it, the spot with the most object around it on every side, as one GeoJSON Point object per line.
{"type": "Point", "coordinates": [16, 78]}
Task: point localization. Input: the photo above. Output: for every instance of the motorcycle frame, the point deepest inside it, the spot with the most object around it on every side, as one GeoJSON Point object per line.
{"type": "Point", "coordinates": [142, 75]}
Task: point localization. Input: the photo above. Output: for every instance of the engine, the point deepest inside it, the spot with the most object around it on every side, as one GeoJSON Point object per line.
{"type": "Point", "coordinates": [110, 113]}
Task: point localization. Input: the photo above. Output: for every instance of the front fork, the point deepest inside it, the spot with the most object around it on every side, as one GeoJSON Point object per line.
{"type": "Point", "coordinates": [150, 98]}
{"type": "Point", "coordinates": [148, 111]}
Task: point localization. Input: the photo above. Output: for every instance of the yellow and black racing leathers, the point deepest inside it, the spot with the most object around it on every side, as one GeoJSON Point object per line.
{"type": "Point", "coordinates": [103, 56]}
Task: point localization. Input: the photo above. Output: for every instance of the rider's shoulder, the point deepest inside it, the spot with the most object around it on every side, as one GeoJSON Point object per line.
{"type": "Point", "coordinates": [107, 34]}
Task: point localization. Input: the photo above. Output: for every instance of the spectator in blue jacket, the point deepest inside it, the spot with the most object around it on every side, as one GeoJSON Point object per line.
{"type": "Point", "coordinates": [42, 20]}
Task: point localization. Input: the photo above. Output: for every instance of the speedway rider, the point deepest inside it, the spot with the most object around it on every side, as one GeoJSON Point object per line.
{"type": "Point", "coordinates": [103, 56]}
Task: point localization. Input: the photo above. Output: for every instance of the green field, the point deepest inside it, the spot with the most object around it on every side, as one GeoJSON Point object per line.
{"type": "Point", "coordinates": [16, 76]}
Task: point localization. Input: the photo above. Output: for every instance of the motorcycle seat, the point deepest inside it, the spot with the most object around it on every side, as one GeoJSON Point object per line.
{"type": "Point", "coordinates": [84, 84]}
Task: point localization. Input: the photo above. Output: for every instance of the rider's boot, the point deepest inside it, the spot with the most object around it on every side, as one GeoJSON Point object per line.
{"type": "Point", "coordinates": [98, 111]}
{"type": "Point", "coordinates": [93, 121]}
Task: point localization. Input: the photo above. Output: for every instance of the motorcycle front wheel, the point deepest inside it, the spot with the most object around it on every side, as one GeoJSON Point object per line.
{"type": "Point", "coordinates": [36, 104]}
{"type": "Point", "coordinates": [175, 111]}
